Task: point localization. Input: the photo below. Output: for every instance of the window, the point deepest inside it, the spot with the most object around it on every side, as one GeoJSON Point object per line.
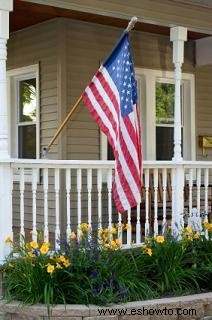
{"type": "Point", "coordinates": [23, 96]}
{"type": "Point", "coordinates": [156, 106]}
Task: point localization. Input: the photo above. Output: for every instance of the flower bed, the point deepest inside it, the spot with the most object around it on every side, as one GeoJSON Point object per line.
{"type": "Point", "coordinates": [92, 269]}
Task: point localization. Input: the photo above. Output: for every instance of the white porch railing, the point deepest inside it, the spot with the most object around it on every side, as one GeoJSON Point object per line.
{"type": "Point", "coordinates": [56, 196]}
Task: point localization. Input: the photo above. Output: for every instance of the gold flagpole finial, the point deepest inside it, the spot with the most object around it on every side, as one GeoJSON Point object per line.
{"type": "Point", "coordinates": [131, 24]}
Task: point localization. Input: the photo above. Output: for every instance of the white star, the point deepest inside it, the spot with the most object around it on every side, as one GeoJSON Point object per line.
{"type": "Point", "coordinates": [129, 85]}
{"type": "Point", "coordinates": [114, 68]}
{"type": "Point", "coordinates": [125, 77]}
{"type": "Point", "coordinates": [128, 92]}
{"type": "Point", "coordinates": [123, 91]}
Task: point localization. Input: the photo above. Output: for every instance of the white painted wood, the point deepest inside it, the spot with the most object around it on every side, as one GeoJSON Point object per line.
{"type": "Point", "coordinates": [198, 189]}
{"type": "Point", "coordinates": [206, 180]}
{"type": "Point", "coordinates": [155, 183]}
{"type": "Point", "coordinates": [34, 206]}
{"type": "Point", "coordinates": [22, 186]}
{"type": "Point", "coordinates": [45, 190]}
{"type": "Point", "coordinates": [99, 189]}
{"type": "Point", "coordinates": [68, 203]}
{"type": "Point", "coordinates": [79, 189]}
{"type": "Point", "coordinates": [178, 35]}
{"type": "Point", "coordinates": [57, 207]}
{"type": "Point", "coordinates": [5, 171]}
{"type": "Point", "coordinates": [190, 194]}
{"type": "Point", "coordinates": [146, 181]}
{"type": "Point", "coordinates": [164, 185]}
{"type": "Point", "coordinates": [89, 188]}
{"type": "Point", "coordinates": [129, 227]}
{"type": "Point", "coordinates": [109, 189]}
{"type": "Point", "coordinates": [120, 228]}
{"type": "Point", "coordinates": [138, 225]}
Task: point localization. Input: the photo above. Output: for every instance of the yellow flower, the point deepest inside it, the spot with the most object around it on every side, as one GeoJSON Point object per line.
{"type": "Point", "coordinates": [66, 263]}
{"type": "Point", "coordinates": [73, 235]}
{"type": "Point", "coordinates": [128, 227]}
{"type": "Point", "coordinates": [50, 268]}
{"type": "Point", "coordinates": [118, 242]}
{"type": "Point", "coordinates": [160, 239]}
{"type": "Point", "coordinates": [44, 248]}
{"type": "Point", "coordinates": [188, 229]}
{"type": "Point", "coordinates": [113, 230]}
{"type": "Point", "coordinates": [34, 244]}
{"type": "Point", "coordinates": [8, 240]}
{"type": "Point", "coordinates": [196, 235]}
{"type": "Point", "coordinates": [85, 227]}
{"type": "Point", "coordinates": [51, 258]}
{"type": "Point", "coordinates": [81, 234]}
{"type": "Point", "coordinates": [149, 251]}
{"type": "Point", "coordinates": [31, 255]}
{"type": "Point", "coordinates": [58, 266]}
{"type": "Point", "coordinates": [208, 226]}
{"type": "Point", "coordinates": [113, 245]}
{"type": "Point", "coordinates": [61, 258]}
{"type": "Point", "coordinates": [190, 238]}
{"type": "Point", "coordinates": [28, 245]}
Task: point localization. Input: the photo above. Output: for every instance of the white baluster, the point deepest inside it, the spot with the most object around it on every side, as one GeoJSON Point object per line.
{"type": "Point", "coordinates": [57, 207]}
{"type": "Point", "coordinates": [34, 206]}
{"type": "Point", "coordinates": [120, 229]}
{"type": "Point", "coordinates": [173, 183]}
{"type": "Point", "coordinates": [198, 189]}
{"type": "Point", "coordinates": [45, 189]}
{"type": "Point", "coordinates": [190, 195]}
{"type": "Point", "coordinates": [164, 182]}
{"type": "Point", "coordinates": [129, 227]}
{"type": "Point", "coordinates": [138, 225]}
{"type": "Point", "coordinates": [79, 189]}
{"type": "Point", "coordinates": [206, 175]}
{"type": "Point", "coordinates": [99, 188]}
{"type": "Point", "coordinates": [109, 188]}
{"type": "Point", "coordinates": [22, 187]}
{"type": "Point", "coordinates": [155, 202]}
{"type": "Point", "coordinates": [146, 171]}
{"type": "Point", "coordinates": [206, 178]}
{"type": "Point", "coordinates": [68, 203]}
{"type": "Point", "coordinates": [89, 188]}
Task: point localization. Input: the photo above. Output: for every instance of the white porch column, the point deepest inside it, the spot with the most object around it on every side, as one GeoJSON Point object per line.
{"type": "Point", "coordinates": [5, 173]}
{"type": "Point", "coordinates": [178, 35]}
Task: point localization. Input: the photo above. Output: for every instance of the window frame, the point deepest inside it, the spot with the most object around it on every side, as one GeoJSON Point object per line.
{"type": "Point", "coordinates": [147, 79]}
{"type": "Point", "coordinates": [14, 76]}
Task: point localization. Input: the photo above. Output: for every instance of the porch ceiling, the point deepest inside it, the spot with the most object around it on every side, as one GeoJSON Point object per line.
{"type": "Point", "coordinates": [26, 14]}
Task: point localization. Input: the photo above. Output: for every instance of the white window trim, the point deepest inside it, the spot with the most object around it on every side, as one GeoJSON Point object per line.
{"type": "Point", "coordinates": [13, 76]}
{"type": "Point", "coordinates": [146, 83]}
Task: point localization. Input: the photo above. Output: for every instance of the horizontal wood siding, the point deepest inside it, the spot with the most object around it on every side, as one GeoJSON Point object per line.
{"type": "Point", "coordinates": [204, 108]}
{"type": "Point", "coordinates": [38, 45]}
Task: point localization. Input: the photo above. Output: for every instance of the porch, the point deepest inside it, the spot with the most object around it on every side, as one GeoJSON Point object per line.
{"type": "Point", "coordinates": [55, 196]}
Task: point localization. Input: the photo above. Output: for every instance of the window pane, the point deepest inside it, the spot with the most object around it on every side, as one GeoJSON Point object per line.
{"type": "Point", "coordinates": [27, 100]}
{"type": "Point", "coordinates": [110, 155]}
{"type": "Point", "coordinates": [164, 143]}
{"type": "Point", "coordinates": [164, 103]}
{"type": "Point", "coordinates": [27, 142]}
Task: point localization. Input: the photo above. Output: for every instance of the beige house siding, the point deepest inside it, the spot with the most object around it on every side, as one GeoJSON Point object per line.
{"type": "Point", "coordinates": [204, 108]}
{"type": "Point", "coordinates": [38, 45]}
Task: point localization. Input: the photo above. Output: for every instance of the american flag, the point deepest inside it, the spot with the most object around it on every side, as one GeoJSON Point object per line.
{"type": "Point", "coordinates": [111, 98]}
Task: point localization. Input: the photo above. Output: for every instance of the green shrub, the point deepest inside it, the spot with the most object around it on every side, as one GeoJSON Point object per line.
{"type": "Point", "coordinates": [92, 269]}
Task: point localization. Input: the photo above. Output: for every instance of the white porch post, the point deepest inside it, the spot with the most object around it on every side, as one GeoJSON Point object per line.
{"type": "Point", "coordinates": [5, 173]}
{"type": "Point", "coordinates": [178, 35]}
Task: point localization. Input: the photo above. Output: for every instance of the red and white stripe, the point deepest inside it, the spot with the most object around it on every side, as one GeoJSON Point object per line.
{"type": "Point", "coordinates": [102, 99]}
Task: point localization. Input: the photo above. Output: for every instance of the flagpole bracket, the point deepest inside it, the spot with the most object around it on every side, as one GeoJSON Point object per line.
{"type": "Point", "coordinates": [131, 24]}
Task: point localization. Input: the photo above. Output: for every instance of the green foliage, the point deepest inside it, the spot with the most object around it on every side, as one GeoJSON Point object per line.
{"type": "Point", "coordinates": [94, 270]}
